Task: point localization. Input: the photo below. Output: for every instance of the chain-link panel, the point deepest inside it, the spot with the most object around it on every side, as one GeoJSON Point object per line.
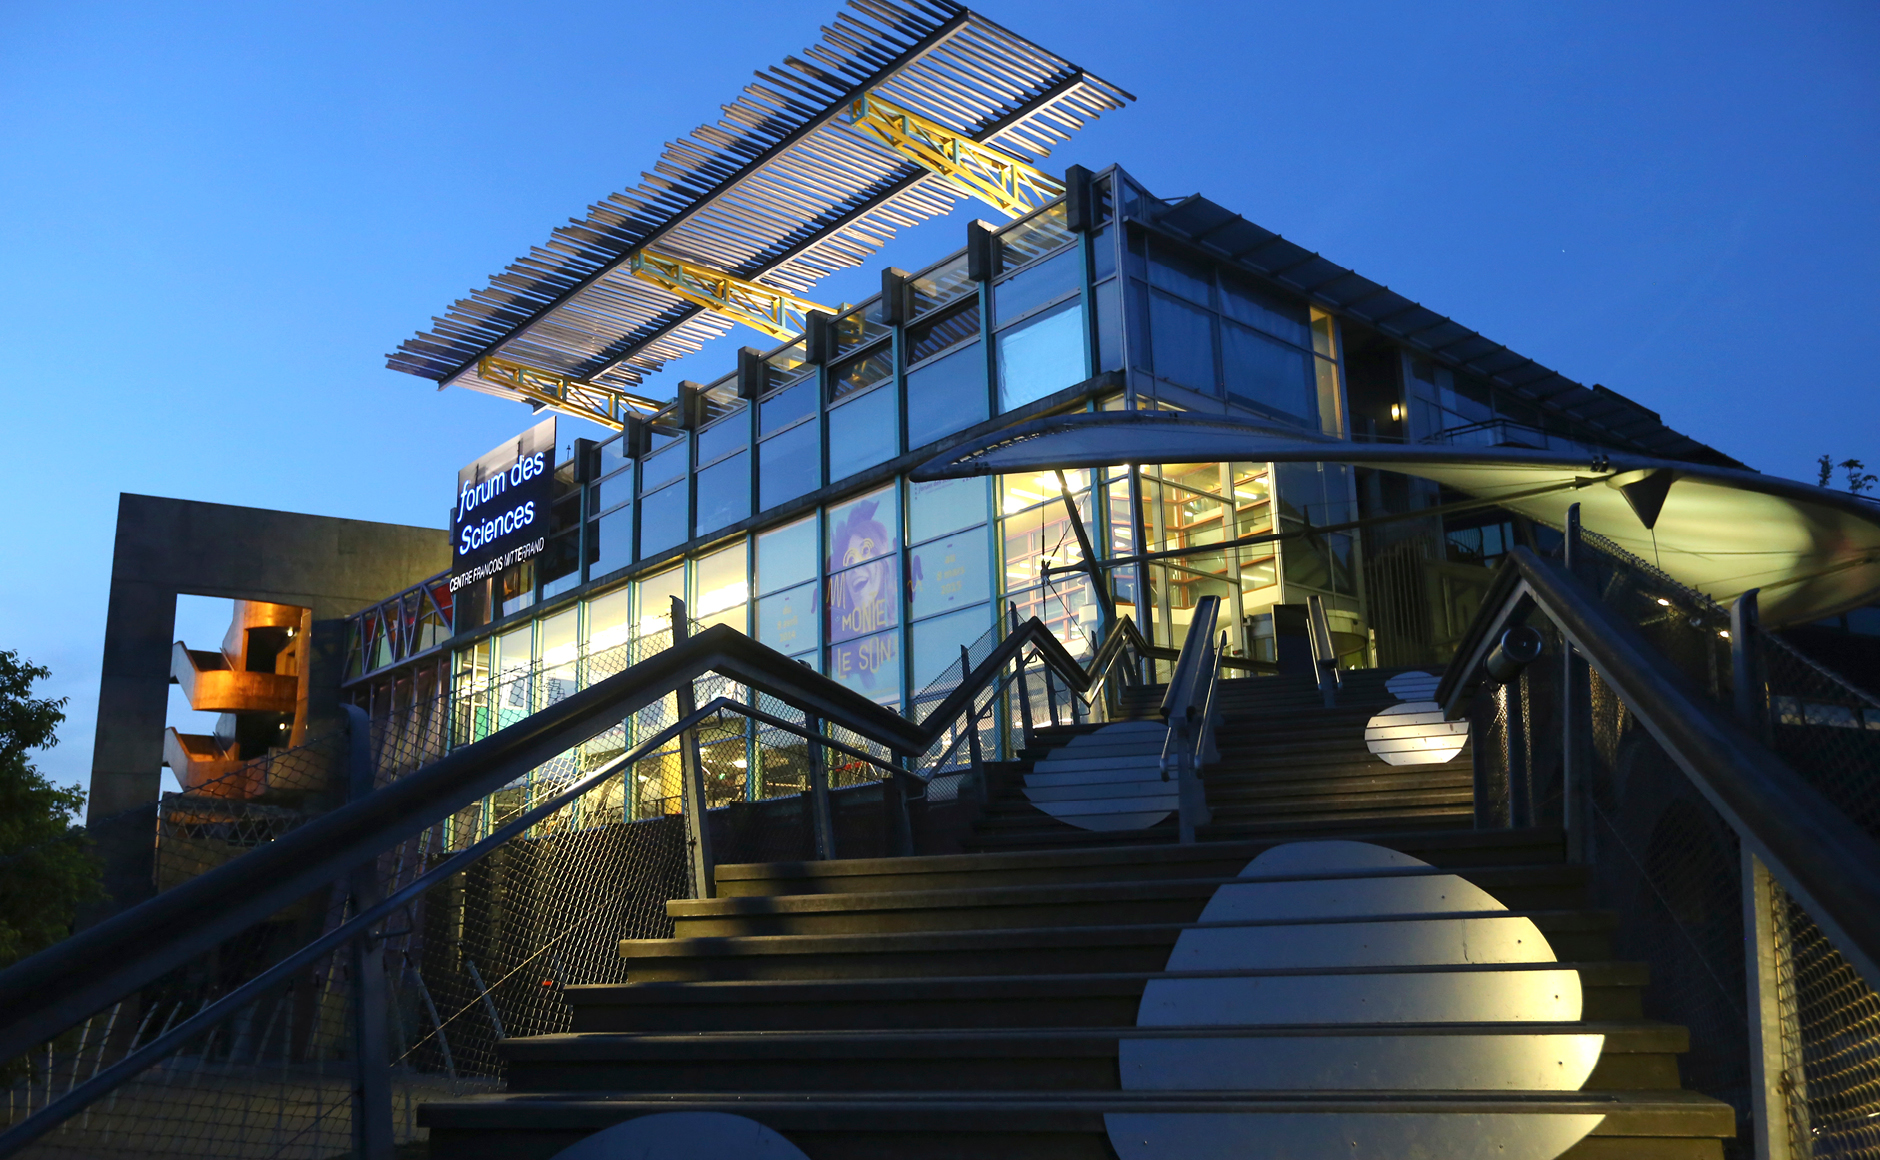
{"type": "Point", "coordinates": [1826, 728]}
{"type": "Point", "coordinates": [1830, 1020]}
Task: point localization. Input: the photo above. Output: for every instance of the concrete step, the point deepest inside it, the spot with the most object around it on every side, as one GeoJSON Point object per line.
{"type": "Point", "coordinates": [1572, 934]}
{"type": "Point", "coordinates": [1215, 859]}
{"type": "Point", "coordinates": [1638, 1055]}
{"type": "Point", "coordinates": [1609, 990]}
{"type": "Point", "coordinates": [1539, 887]}
{"type": "Point", "coordinates": [840, 1125]}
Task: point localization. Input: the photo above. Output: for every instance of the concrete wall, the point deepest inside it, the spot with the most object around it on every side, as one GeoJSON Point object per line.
{"type": "Point", "coordinates": [169, 547]}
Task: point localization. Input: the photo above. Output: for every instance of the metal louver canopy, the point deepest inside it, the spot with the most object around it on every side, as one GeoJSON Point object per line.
{"type": "Point", "coordinates": [1812, 552]}
{"type": "Point", "coordinates": [778, 190]}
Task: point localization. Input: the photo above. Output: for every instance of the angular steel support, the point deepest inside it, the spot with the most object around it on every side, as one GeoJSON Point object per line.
{"type": "Point", "coordinates": [822, 828]}
{"type": "Point", "coordinates": [1002, 181]}
{"type": "Point", "coordinates": [608, 406]}
{"type": "Point", "coordinates": [372, 1061]}
{"type": "Point", "coordinates": [779, 314]}
{"type": "Point", "coordinates": [698, 830]}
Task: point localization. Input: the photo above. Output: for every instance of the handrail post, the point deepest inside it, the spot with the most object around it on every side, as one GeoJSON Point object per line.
{"type": "Point", "coordinates": [1324, 660]}
{"type": "Point", "coordinates": [980, 789]}
{"type": "Point", "coordinates": [897, 825]}
{"type": "Point", "coordinates": [698, 830]}
{"type": "Point", "coordinates": [1747, 680]}
{"type": "Point", "coordinates": [1576, 750]}
{"type": "Point", "coordinates": [822, 827]}
{"type": "Point", "coordinates": [1765, 946]}
{"type": "Point", "coordinates": [1024, 688]}
{"type": "Point", "coordinates": [372, 1077]}
{"type": "Point", "coordinates": [1519, 765]}
{"type": "Point", "coordinates": [1050, 694]}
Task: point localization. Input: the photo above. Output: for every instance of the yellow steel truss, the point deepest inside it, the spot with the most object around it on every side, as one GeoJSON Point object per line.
{"type": "Point", "coordinates": [772, 311]}
{"type": "Point", "coordinates": [608, 406]}
{"type": "Point", "coordinates": [995, 177]}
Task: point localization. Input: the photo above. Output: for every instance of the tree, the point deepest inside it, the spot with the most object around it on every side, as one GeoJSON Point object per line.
{"type": "Point", "coordinates": [46, 867]}
{"type": "Point", "coordinates": [1859, 479]}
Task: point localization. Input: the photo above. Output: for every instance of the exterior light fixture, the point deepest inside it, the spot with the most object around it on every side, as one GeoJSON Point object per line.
{"type": "Point", "coordinates": [741, 763]}
{"type": "Point", "coordinates": [1665, 603]}
{"type": "Point", "coordinates": [1396, 412]}
{"type": "Point", "coordinates": [1724, 633]}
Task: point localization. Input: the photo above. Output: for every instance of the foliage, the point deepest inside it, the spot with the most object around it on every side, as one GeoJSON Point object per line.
{"type": "Point", "coordinates": [1859, 479]}
{"type": "Point", "coordinates": [46, 869]}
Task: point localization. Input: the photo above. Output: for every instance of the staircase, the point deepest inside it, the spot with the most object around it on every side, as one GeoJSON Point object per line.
{"type": "Point", "coordinates": [1341, 968]}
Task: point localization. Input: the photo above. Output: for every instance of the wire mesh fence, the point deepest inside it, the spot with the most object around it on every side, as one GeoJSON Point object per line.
{"type": "Point", "coordinates": [482, 955]}
{"type": "Point", "coordinates": [1664, 860]}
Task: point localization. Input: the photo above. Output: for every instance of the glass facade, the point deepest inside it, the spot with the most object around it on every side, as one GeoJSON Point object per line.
{"type": "Point", "coordinates": [770, 511]}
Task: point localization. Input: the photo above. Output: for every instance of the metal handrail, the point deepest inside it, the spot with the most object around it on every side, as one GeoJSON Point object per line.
{"type": "Point", "coordinates": [1819, 855]}
{"type": "Point", "coordinates": [86, 972]}
{"type": "Point", "coordinates": [1117, 644]}
{"type": "Point", "coordinates": [1199, 661]}
{"type": "Point", "coordinates": [361, 924]}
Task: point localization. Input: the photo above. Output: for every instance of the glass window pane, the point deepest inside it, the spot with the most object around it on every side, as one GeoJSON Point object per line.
{"type": "Point", "coordinates": [556, 637]}
{"type": "Point", "coordinates": [871, 666]}
{"type": "Point", "coordinates": [663, 466]}
{"type": "Point", "coordinates": [859, 327]}
{"type": "Point", "coordinates": [860, 373]}
{"type": "Point", "coordinates": [926, 339]}
{"type": "Point", "coordinates": [613, 491]}
{"type": "Point", "coordinates": [863, 528]}
{"type": "Point", "coordinates": [613, 455]}
{"type": "Point", "coordinates": [788, 465]}
{"type": "Point", "coordinates": [944, 283]}
{"type": "Point", "coordinates": [560, 563]}
{"type": "Point", "coordinates": [1175, 271]}
{"type": "Point", "coordinates": [1024, 292]}
{"type": "Point", "coordinates": [1183, 338]}
{"type": "Point", "coordinates": [721, 587]}
{"type": "Point", "coordinates": [608, 621]}
{"type": "Point", "coordinates": [865, 599]}
{"type": "Point", "coordinates": [1039, 536]}
{"type": "Point", "coordinates": [949, 573]}
{"type": "Point", "coordinates": [663, 519]}
{"type": "Point", "coordinates": [610, 543]}
{"type": "Point", "coordinates": [1043, 355]}
{"type": "Point", "coordinates": [1034, 237]}
{"type": "Point", "coordinates": [655, 598]}
{"type": "Point", "coordinates": [787, 620]}
{"type": "Point", "coordinates": [864, 565]}
{"type": "Point", "coordinates": [786, 367]}
{"type": "Point", "coordinates": [1265, 310]}
{"type": "Point", "coordinates": [723, 437]}
{"type": "Point", "coordinates": [787, 556]}
{"type": "Point", "coordinates": [940, 506]}
{"type": "Point", "coordinates": [724, 493]}
{"type": "Point", "coordinates": [937, 642]}
{"type": "Point", "coordinates": [1269, 374]}
{"type": "Point", "coordinates": [1102, 254]}
{"type": "Point", "coordinates": [866, 429]}
{"type": "Point", "coordinates": [1109, 298]}
{"type": "Point", "coordinates": [786, 407]}
{"type": "Point", "coordinates": [946, 395]}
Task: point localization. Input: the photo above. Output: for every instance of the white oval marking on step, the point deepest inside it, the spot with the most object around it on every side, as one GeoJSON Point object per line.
{"type": "Point", "coordinates": [684, 1136]}
{"type": "Point", "coordinates": [1415, 733]}
{"type": "Point", "coordinates": [1107, 779]}
{"type": "Point", "coordinates": [1413, 686]}
{"type": "Point", "coordinates": [1381, 958]}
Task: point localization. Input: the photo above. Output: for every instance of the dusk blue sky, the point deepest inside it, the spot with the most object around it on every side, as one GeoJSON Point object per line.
{"type": "Point", "coordinates": [216, 219]}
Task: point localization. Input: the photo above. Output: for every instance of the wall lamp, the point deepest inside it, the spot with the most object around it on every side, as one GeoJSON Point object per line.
{"type": "Point", "coordinates": [1519, 647]}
